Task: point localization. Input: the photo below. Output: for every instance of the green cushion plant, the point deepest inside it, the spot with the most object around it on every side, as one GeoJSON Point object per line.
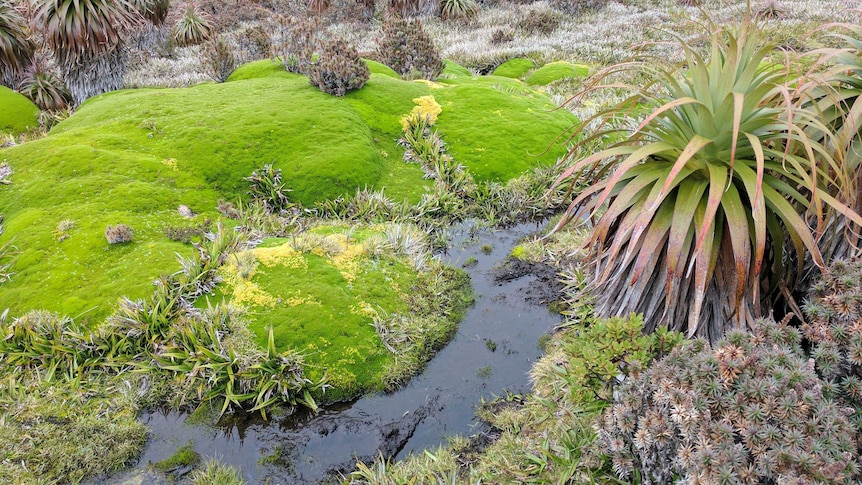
{"type": "Point", "coordinates": [703, 195]}
{"type": "Point", "coordinates": [556, 71]}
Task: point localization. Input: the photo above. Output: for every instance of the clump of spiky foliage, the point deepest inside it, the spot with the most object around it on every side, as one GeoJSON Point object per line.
{"type": "Point", "coordinates": [155, 11]}
{"type": "Point", "coordinates": [193, 26]}
{"type": "Point", "coordinates": [299, 41]}
{"type": "Point", "coordinates": [45, 89]}
{"type": "Point", "coordinates": [749, 410]}
{"type": "Point", "coordinates": [219, 59]}
{"type": "Point", "coordinates": [215, 472]}
{"type": "Point", "coordinates": [458, 9]}
{"type": "Point", "coordinates": [16, 48]}
{"type": "Point", "coordinates": [267, 188]}
{"type": "Point", "coordinates": [408, 49]}
{"type": "Point", "coordinates": [86, 37]}
{"type": "Point", "coordinates": [339, 69]}
{"type": "Point", "coordinates": [120, 233]}
{"type": "Point", "coordinates": [834, 327]}
{"type": "Point", "coordinates": [721, 169]}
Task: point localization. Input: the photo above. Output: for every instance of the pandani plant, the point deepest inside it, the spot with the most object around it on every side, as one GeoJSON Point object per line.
{"type": "Point", "coordinates": [833, 88]}
{"type": "Point", "coordinates": [16, 48]}
{"type": "Point", "coordinates": [696, 209]}
{"type": "Point", "coordinates": [86, 37]}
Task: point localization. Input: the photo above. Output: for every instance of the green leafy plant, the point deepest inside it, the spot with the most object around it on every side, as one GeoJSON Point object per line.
{"type": "Point", "coordinates": [193, 26]}
{"type": "Point", "coordinates": [749, 410]}
{"type": "Point", "coordinates": [834, 92]}
{"type": "Point", "coordinates": [16, 48]}
{"type": "Point", "coordinates": [339, 69]}
{"type": "Point", "coordinates": [703, 194]}
{"type": "Point", "coordinates": [266, 187]}
{"type": "Point", "coordinates": [408, 49]}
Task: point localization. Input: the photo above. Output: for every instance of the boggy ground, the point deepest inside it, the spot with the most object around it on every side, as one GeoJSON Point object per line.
{"type": "Point", "coordinates": [118, 160]}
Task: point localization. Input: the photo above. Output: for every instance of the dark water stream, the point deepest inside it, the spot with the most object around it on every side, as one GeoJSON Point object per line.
{"type": "Point", "coordinates": [440, 402]}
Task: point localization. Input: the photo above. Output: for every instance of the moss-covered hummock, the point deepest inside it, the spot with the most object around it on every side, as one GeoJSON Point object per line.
{"type": "Point", "coordinates": [515, 68]}
{"type": "Point", "coordinates": [134, 156]}
{"type": "Point", "coordinates": [556, 71]}
{"type": "Point", "coordinates": [17, 113]}
{"type": "Point", "coordinates": [324, 291]}
{"type": "Point", "coordinates": [380, 68]}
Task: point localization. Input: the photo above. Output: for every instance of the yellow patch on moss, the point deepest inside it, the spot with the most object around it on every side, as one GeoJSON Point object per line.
{"type": "Point", "coordinates": [430, 84]}
{"type": "Point", "coordinates": [427, 107]}
{"type": "Point", "coordinates": [347, 262]}
{"type": "Point", "coordinates": [170, 163]}
{"type": "Point", "coordinates": [363, 309]}
{"type": "Point", "coordinates": [296, 298]}
{"type": "Point", "coordinates": [283, 255]}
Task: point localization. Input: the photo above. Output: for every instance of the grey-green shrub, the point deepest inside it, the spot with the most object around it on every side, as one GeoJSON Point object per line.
{"type": "Point", "coordinates": [749, 410]}
{"type": "Point", "coordinates": [339, 69]}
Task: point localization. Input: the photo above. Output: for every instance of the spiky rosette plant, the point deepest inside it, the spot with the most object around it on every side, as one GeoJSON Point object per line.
{"type": "Point", "coordinates": [834, 327]}
{"type": "Point", "coordinates": [750, 410]}
{"type": "Point", "coordinates": [44, 88]}
{"type": "Point", "coordinates": [16, 48]}
{"type": "Point", "coordinates": [87, 39]}
{"type": "Point", "coordinates": [702, 197]}
{"type": "Point", "coordinates": [834, 92]}
{"type": "Point", "coordinates": [193, 26]}
{"type": "Point", "coordinates": [458, 9]}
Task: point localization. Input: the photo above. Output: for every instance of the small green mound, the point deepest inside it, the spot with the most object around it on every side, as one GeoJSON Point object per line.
{"type": "Point", "coordinates": [453, 69]}
{"type": "Point", "coordinates": [135, 156]}
{"type": "Point", "coordinates": [523, 133]}
{"type": "Point", "coordinates": [515, 68]}
{"type": "Point", "coordinates": [382, 69]}
{"type": "Point", "coordinates": [185, 456]}
{"type": "Point", "coordinates": [260, 69]}
{"type": "Point", "coordinates": [17, 113]}
{"type": "Point", "coordinates": [325, 292]}
{"type": "Point", "coordinates": [556, 71]}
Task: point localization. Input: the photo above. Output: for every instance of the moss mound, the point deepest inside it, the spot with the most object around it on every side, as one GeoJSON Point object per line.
{"type": "Point", "coordinates": [453, 70]}
{"type": "Point", "coordinates": [135, 156]}
{"type": "Point", "coordinates": [524, 127]}
{"type": "Point", "coordinates": [260, 69]}
{"type": "Point", "coordinates": [556, 71]}
{"type": "Point", "coordinates": [515, 68]}
{"type": "Point", "coordinates": [17, 113]}
{"type": "Point", "coordinates": [324, 291]}
{"type": "Point", "coordinates": [382, 69]}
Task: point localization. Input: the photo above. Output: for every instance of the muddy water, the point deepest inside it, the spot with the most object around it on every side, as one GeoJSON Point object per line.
{"type": "Point", "coordinates": [493, 350]}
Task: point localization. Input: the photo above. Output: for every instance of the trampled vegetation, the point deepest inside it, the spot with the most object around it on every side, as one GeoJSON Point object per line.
{"type": "Point", "coordinates": [265, 241]}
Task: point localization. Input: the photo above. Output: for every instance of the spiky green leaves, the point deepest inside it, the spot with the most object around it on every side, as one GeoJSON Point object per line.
{"type": "Point", "coordinates": [16, 48]}
{"type": "Point", "coordinates": [702, 196]}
